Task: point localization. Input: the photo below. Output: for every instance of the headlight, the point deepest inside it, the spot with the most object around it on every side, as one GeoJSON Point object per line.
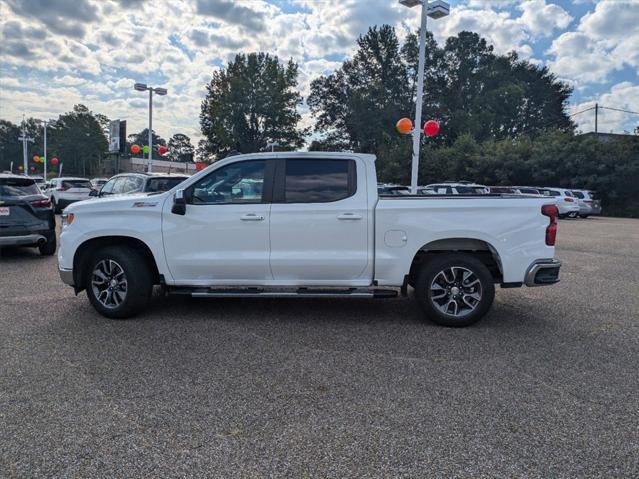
{"type": "Point", "coordinates": [67, 219]}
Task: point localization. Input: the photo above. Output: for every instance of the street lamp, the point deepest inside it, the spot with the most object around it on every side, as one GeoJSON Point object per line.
{"type": "Point", "coordinates": [161, 92]}
{"type": "Point", "coordinates": [436, 9]}
{"type": "Point", "coordinates": [44, 124]}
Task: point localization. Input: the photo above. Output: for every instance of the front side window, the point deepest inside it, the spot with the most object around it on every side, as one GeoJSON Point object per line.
{"type": "Point", "coordinates": [319, 181]}
{"type": "Point", "coordinates": [241, 182]}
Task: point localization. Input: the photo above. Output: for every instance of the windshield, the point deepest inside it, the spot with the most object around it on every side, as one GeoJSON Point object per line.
{"type": "Point", "coordinates": [76, 184]}
{"type": "Point", "coordinates": [156, 185]}
{"type": "Point", "coordinates": [18, 187]}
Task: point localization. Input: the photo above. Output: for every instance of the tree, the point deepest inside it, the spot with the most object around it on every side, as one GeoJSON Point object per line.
{"type": "Point", "coordinates": [180, 148]}
{"type": "Point", "coordinates": [251, 103]}
{"type": "Point", "coordinates": [78, 140]}
{"type": "Point", "coordinates": [10, 147]}
{"type": "Point", "coordinates": [142, 139]}
{"type": "Point", "coordinates": [359, 104]}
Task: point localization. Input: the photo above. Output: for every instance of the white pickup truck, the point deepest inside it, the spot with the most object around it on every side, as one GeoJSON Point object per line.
{"type": "Point", "coordinates": [307, 225]}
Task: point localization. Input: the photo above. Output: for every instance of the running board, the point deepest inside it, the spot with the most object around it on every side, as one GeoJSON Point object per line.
{"type": "Point", "coordinates": [284, 293]}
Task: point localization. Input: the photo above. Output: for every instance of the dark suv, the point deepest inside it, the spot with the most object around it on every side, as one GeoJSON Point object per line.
{"type": "Point", "coordinates": [129, 183]}
{"type": "Point", "coordinates": [26, 216]}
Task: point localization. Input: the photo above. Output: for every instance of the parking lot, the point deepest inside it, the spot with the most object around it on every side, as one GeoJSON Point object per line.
{"type": "Point", "coordinates": [545, 386]}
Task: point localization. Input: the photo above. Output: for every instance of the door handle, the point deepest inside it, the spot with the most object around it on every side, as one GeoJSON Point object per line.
{"type": "Point", "coordinates": [349, 216]}
{"type": "Point", "coordinates": [251, 217]}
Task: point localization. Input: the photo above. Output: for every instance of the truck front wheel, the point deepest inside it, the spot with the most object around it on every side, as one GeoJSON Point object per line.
{"type": "Point", "coordinates": [454, 289]}
{"type": "Point", "coordinates": [119, 282]}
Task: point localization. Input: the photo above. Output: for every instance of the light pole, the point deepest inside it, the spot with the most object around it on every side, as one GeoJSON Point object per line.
{"type": "Point", "coordinates": [24, 139]}
{"type": "Point", "coordinates": [436, 9]}
{"type": "Point", "coordinates": [159, 91]}
{"type": "Point", "coordinates": [44, 124]}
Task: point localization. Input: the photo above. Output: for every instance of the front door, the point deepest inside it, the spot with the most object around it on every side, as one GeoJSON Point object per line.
{"type": "Point", "coordinates": [319, 223]}
{"type": "Point", "coordinates": [224, 236]}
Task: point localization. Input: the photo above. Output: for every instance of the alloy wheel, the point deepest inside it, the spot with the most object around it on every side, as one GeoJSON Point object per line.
{"type": "Point", "coordinates": [109, 284]}
{"type": "Point", "coordinates": [456, 291]}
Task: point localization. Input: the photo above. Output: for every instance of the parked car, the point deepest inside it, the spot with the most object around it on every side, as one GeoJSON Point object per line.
{"type": "Point", "coordinates": [97, 183]}
{"type": "Point", "coordinates": [39, 180]}
{"type": "Point", "coordinates": [527, 190]}
{"type": "Point", "coordinates": [316, 227]}
{"type": "Point", "coordinates": [565, 201]}
{"type": "Point", "coordinates": [507, 190]}
{"type": "Point", "coordinates": [66, 190]}
{"type": "Point", "coordinates": [460, 188]}
{"type": "Point", "coordinates": [129, 183]}
{"type": "Point", "coordinates": [589, 203]}
{"type": "Point", "coordinates": [26, 216]}
{"type": "Point", "coordinates": [392, 190]}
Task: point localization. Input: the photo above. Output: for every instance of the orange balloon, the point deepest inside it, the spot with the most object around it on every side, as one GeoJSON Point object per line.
{"type": "Point", "coordinates": [36, 158]}
{"type": "Point", "coordinates": [135, 149]}
{"type": "Point", "coordinates": [404, 126]}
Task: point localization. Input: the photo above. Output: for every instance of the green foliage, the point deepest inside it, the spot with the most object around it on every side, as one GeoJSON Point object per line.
{"type": "Point", "coordinates": [180, 148]}
{"type": "Point", "coordinates": [249, 104]}
{"type": "Point", "coordinates": [556, 158]}
{"type": "Point", "coordinates": [77, 138]}
{"type": "Point", "coordinates": [142, 139]}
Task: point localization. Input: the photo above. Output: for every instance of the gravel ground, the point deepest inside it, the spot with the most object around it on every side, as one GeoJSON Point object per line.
{"type": "Point", "coordinates": [545, 386]}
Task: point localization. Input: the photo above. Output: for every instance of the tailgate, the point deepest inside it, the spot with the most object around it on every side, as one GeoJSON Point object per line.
{"type": "Point", "coordinates": [19, 217]}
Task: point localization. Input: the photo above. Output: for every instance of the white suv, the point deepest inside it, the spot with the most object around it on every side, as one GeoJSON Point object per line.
{"type": "Point", "coordinates": [589, 203]}
{"type": "Point", "coordinates": [567, 204]}
{"type": "Point", "coordinates": [66, 190]}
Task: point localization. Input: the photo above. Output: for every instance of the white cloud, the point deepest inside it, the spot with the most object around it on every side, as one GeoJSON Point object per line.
{"type": "Point", "coordinates": [540, 18]}
{"type": "Point", "coordinates": [622, 96]}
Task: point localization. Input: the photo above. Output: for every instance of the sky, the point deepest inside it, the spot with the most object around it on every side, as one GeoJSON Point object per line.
{"type": "Point", "coordinates": [57, 53]}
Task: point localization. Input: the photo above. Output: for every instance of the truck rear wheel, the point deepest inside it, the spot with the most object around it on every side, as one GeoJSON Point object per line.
{"type": "Point", "coordinates": [455, 289]}
{"type": "Point", "coordinates": [119, 282]}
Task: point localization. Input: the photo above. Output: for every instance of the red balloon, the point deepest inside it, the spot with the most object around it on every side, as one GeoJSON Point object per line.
{"type": "Point", "coordinates": [431, 128]}
{"type": "Point", "coordinates": [200, 165]}
{"type": "Point", "coordinates": [135, 149]}
{"type": "Point", "coordinates": [162, 150]}
{"type": "Point", "coordinates": [54, 161]}
{"type": "Point", "coordinates": [32, 168]}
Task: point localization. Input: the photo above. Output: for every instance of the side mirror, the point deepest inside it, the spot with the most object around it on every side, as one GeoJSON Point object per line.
{"type": "Point", "coordinates": [93, 193]}
{"type": "Point", "coordinates": [179, 203]}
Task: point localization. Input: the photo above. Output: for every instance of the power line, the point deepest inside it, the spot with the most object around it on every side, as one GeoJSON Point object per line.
{"type": "Point", "coordinates": [583, 111]}
{"type": "Point", "coordinates": [619, 109]}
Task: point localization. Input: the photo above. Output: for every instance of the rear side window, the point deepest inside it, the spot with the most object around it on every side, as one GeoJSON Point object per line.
{"type": "Point", "coordinates": [18, 187]}
{"type": "Point", "coordinates": [319, 181]}
{"type": "Point", "coordinates": [76, 184]}
{"type": "Point", "coordinates": [568, 193]}
{"type": "Point", "coordinates": [578, 194]}
{"type": "Point", "coordinates": [155, 185]}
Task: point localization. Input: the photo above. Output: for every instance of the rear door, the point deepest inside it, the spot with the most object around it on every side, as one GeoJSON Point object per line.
{"type": "Point", "coordinates": [319, 222]}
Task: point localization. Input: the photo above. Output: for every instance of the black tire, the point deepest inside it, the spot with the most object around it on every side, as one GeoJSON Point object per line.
{"type": "Point", "coordinates": [48, 248]}
{"type": "Point", "coordinates": [562, 217]}
{"type": "Point", "coordinates": [433, 268]}
{"type": "Point", "coordinates": [137, 275]}
{"type": "Point", "coordinates": [583, 216]}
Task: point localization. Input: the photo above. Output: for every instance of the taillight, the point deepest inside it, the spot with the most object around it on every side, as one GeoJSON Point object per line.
{"type": "Point", "coordinates": [569, 200]}
{"type": "Point", "coordinates": [551, 230]}
{"type": "Point", "coordinates": [41, 203]}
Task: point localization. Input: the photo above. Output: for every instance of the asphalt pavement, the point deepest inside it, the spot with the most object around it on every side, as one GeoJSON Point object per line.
{"type": "Point", "coordinates": [547, 385]}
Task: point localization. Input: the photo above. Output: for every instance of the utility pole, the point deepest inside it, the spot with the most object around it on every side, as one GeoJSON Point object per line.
{"type": "Point", "coordinates": [24, 139]}
{"type": "Point", "coordinates": [596, 116]}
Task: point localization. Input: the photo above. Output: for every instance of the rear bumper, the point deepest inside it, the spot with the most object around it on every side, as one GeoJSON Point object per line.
{"type": "Point", "coordinates": [23, 240]}
{"type": "Point", "coordinates": [543, 272]}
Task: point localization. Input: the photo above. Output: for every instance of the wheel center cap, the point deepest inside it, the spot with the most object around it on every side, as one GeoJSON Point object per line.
{"type": "Point", "coordinates": [113, 283]}
{"type": "Point", "coordinates": [454, 290]}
